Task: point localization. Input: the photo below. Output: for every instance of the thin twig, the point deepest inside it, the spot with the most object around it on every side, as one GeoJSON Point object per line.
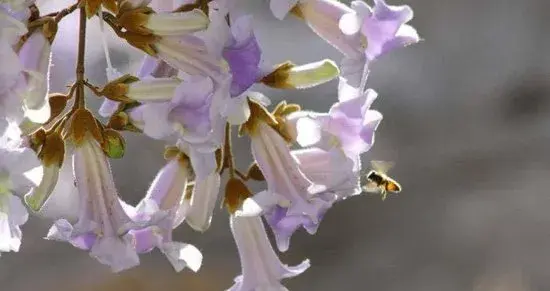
{"type": "Point", "coordinates": [93, 88]}
{"type": "Point", "coordinates": [62, 13]}
{"type": "Point", "coordinates": [227, 152]}
{"type": "Point", "coordinates": [80, 102]}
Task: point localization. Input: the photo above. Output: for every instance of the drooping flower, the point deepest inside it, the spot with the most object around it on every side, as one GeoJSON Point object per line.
{"type": "Point", "coordinates": [287, 185]}
{"type": "Point", "coordinates": [323, 17]}
{"type": "Point", "coordinates": [25, 83]}
{"type": "Point", "coordinates": [261, 268]}
{"type": "Point", "coordinates": [334, 171]}
{"type": "Point", "coordinates": [328, 163]}
{"type": "Point", "coordinates": [167, 196]}
{"type": "Point", "coordinates": [103, 223]}
{"type": "Point", "coordinates": [380, 29]}
{"type": "Point", "coordinates": [15, 161]}
{"type": "Point", "coordinates": [350, 125]}
{"type": "Point", "coordinates": [11, 106]}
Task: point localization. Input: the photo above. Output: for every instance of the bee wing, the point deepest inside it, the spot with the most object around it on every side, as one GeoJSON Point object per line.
{"type": "Point", "coordinates": [371, 187]}
{"type": "Point", "coordinates": [382, 166]}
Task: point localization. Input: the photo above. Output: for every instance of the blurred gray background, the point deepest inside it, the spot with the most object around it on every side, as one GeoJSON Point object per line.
{"type": "Point", "coordinates": [466, 119]}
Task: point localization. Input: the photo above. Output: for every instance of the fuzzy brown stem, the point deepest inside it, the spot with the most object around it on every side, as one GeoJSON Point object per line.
{"type": "Point", "coordinates": [80, 102]}
{"type": "Point", "coordinates": [227, 151]}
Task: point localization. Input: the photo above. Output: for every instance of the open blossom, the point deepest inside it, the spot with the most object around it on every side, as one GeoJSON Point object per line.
{"type": "Point", "coordinates": [238, 47]}
{"type": "Point", "coordinates": [192, 116]}
{"type": "Point", "coordinates": [332, 176]}
{"type": "Point", "coordinates": [243, 55]}
{"type": "Point", "coordinates": [261, 268]}
{"type": "Point", "coordinates": [35, 58]}
{"type": "Point", "coordinates": [380, 29]}
{"type": "Point", "coordinates": [10, 104]}
{"type": "Point", "coordinates": [103, 223]}
{"type": "Point", "coordinates": [287, 185]}
{"type": "Point", "coordinates": [323, 17]}
{"type": "Point", "coordinates": [25, 80]}
{"type": "Point", "coordinates": [166, 198]}
{"type": "Point", "coordinates": [15, 161]}
{"type": "Point", "coordinates": [334, 171]}
{"type": "Point", "coordinates": [350, 125]}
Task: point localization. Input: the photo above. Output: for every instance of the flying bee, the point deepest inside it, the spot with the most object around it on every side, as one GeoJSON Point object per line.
{"type": "Point", "coordinates": [379, 181]}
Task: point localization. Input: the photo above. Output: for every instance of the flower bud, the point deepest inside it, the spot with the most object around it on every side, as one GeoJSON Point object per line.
{"type": "Point", "coordinates": [290, 76]}
{"type": "Point", "coordinates": [114, 144]}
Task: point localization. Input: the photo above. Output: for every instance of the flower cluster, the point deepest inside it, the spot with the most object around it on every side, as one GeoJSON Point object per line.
{"type": "Point", "coordinates": [194, 86]}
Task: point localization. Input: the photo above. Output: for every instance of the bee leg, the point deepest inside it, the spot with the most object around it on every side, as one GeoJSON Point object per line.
{"type": "Point", "coordinates": [384, 194]}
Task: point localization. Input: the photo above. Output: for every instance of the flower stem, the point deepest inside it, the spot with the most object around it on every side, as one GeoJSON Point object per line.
{"type": "Point", "coordinates": [227, 152]}
{"type": "Point", "coordinates": [62, 13]}
{"type": "Point", "coordinates": [80, 102]}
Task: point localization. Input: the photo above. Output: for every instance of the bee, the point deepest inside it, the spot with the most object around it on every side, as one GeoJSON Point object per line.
{"type": "Point", "coordinates": [379, 181]}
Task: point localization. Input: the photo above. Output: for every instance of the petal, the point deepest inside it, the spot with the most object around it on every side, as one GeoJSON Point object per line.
{"type": "Point", "coordinates": [64, 200]}
{"type": "Point", "coordinates": [36, 198]}
{"type": "Point", "coordinates": [203, 201]}
{"type": "Point", "coordinates": [203, 163]}
{"type": "Point", "coordinates": [35, 57]}
{"type": "Point", "coordinates": [18, 213]}
{"type": "Point", "coordinates": [152, 118]}
{"type": "Point", "coordinates": [237, 110]}
{"type": "Point", "coordinates": [182, 255]}
{"type": "Point", "coordinates": [116, 253]}
{"type": "Point", "coordinates": [350, 23]}
{"type": "Point", "coordinates": [261, 268]}
{"type": "Point", "coordinates": [280, 8]}
{"type": "Point", "coordinates": [258, 204]}
{"type": "Point", "coordinates": [61, 230]}
{"type": "Point", "coordinates": [108, 107]}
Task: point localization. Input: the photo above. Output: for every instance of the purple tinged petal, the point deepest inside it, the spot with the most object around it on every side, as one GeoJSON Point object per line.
{"type": "Point", "coordinates": [385, 27]}
{"type": "Point", "coordinates": [169, 185]}
{"type": "Point", "coordinates": [354, 123]}
{"type": "Point", "coordinates": [152, 67]}
{"type": "Point", "coordinates": [323, 17]}
{"type": "Point", "coordinates": [189, 54]}
{"type": "Point", "coordinates": [85, 241]}
{"type": "Point", "coordinates": [261, 268]}
{"type": "Point", "coordinates": [152, 119]}
{"type": "Point", "coordinates": [145, 240]}
{"type": "Point", "coordinates": [243, 55]}
{"type": "Point", "coordinates": [35, 57]}
{"type": "Point", "coordinates": [108, 108]}
{"type": "Point", "coordinates": [192, 104]}
{"type": "Point", "coordinates": [103, 221]}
